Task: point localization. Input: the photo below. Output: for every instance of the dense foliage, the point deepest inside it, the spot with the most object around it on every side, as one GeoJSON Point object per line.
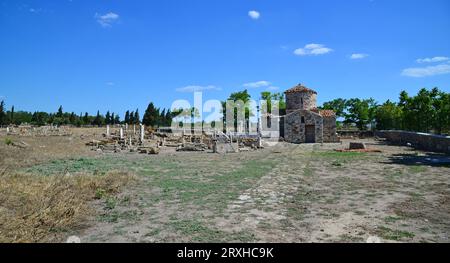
{"type": "Point", "coordinates": [428, 111]}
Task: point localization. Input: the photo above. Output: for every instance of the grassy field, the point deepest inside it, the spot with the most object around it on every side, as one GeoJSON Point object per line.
{"type": "Point", "coordinates": [285, 193]}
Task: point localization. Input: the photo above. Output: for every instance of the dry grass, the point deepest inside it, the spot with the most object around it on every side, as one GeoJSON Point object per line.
{"type": "Point", "coordinates": [44, 208]}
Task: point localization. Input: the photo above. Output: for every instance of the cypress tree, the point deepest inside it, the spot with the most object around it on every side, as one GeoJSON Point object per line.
{"type": "Point", "coordinates": [60, 112]}
{"type": "Point", "coordinates": [151, 116]}
{"type": "Point", "coordinates": [127, 117]}
{"type": "Point", "coordinates": [11, 117]}
{"type": "Point", "coordinates": [86, 119]}
{"type": "Point", "coordinates": [137, 119]}
{"type": "Point", "coordinates": [2, 113]}
{"type": "Point", "coordinates": [108, 118]}
{"type": "Point", "coordinates": [131, 118]}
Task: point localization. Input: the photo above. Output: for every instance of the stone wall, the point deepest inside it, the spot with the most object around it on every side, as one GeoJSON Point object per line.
{"type": "Point", "coordinates": [294, 101]}
{"type": "Point", "coordinates": [421, 141]}
{"type": "Point", "coordinates": [329, 129]}
{"type": "Point", "coordinates": [350, 134]}
{"type": "Point", "coordinates": [295, 130]}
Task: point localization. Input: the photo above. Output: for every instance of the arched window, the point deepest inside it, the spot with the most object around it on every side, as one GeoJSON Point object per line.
{"type": "Point", "coordinates": [301, 102]}
{"type": "Point", "coordinates": [303, 120]}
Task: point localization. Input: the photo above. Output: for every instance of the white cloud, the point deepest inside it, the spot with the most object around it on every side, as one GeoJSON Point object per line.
{"type": "Point", "coordinates": [110, 83]}
{"type": "Point", "coordinates": [108, 19]}
{"type": "Point", "coordinates": [196, 88]}
{"type": "Point", "coordinates": [272, 88]}
{"type": "Point", "coordinates": [427, 71]}
{"type": "Point", "coordinates": [432, 60]}
{"type": "Point", "coordinates": [313, 50]}
{"type": "Point", "coordinates": [358, 56]}
{"type": "Point", "coordinates": [254, 14]}
{"type": "Point", "coordinates": [258, 84]}
{"type": "Point", "coordinates": [35, 10]}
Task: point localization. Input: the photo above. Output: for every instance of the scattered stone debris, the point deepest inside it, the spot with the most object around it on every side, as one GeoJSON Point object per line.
{"type": "Point", "coordinates": [193, 147]}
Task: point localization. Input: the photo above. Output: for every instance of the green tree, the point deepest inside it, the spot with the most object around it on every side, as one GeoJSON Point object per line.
{"type": "Point", "coordinates": [132, 117]}
{"type": "Point", "coordinates": [337, 105]}
{"type": "Point", "coordinates": [117, 119]}
{"type": "Point", "coordinates": [108, 118]}
{"type": "Point", "coordinates": [73, 119]}
{"type": "Point", "coordinates": [244, 97]}
{"type": "Point", "coordinates": [98, 121]}
{"type": "Point", "coordinates": [60, 112]}
{"type": "Point", "coordinates": [127, 117]}
{"type": "Point", "coordinates": [151, 116]}
{"type": "Point", "coordinates": [388, 116]}
{"type": "Point", "coordinates": [358, 113]}
{"type": "Point", "coordinates": [137, 119]}
{"type": "Point", "coordinates": [86, 120]}
{"type": "Point", "coordinates": [2, 113]}
{"type": "Point", "coordinates": [11, 115]}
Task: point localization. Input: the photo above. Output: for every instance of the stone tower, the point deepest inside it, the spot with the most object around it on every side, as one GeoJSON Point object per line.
{"type": "Point", "coordinates": [300, 98]}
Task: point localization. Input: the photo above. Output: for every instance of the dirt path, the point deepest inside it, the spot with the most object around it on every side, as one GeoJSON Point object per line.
{"type": "Point", "coordinates": [286, 193]}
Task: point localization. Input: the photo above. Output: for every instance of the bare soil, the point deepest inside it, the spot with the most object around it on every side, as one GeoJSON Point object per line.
{"type": "Point", "coordinates": [284, 193]}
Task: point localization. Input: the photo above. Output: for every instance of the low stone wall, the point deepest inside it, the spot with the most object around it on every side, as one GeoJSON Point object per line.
{"type": "Point", "coordinates": [347, 134]}
{"type": "Point", "coordinates": [421, 141]}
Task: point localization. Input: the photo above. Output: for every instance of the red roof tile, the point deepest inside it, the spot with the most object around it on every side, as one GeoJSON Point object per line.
{"type": "Point", "coordinates": [327, 113]}
{"type": "Point", "coordinates": [299, 88]}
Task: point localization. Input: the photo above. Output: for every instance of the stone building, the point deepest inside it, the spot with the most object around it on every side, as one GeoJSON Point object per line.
{"type": "Point", "coordinates": [304, 123]}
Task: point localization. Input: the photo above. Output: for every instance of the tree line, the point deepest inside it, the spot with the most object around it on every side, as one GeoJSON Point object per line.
{"type": "Point", "coordinates": [153, 116]}
{"type": "Point", "coordinates": [428, 111]}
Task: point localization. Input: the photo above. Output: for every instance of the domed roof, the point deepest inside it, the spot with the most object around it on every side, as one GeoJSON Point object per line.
{"type": "Point", "coordinates": [299, 89]}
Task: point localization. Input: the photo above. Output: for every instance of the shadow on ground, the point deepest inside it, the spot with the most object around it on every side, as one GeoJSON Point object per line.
{"type": "Point", "coordinates": [431, 159]}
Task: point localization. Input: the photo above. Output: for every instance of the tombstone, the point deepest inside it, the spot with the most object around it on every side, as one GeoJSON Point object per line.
{"type": "Point", "coordinates": [130, 141]}
{"type": "Point", "coordinates": [7, 130]}
{"type": "Point", "coordinates": [134, 129]}
{"type": "Point", "coordinates": [142, 133]}
{"type": "Point", "coordinates": [126, 126]}
{"type": "Point", "coordinates": [107, 131]}
{"type": "Point", "coordinates": [121, 133]}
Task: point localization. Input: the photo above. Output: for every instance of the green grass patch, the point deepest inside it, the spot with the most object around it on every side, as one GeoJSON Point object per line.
{"type": "Point", "coordinates": [392, 219]}
{"type": "Point", "coordinates": [339, 155]}
{"type": "Point", "coordinates": [415, 169]}
{"type": "Point", "coordinates": [198, 232]}
{"type": "Point", "coordinates": [8, 141]}
{"type": "Point", "coordinates": [396, 235]}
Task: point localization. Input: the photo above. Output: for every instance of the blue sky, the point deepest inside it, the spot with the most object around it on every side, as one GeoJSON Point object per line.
{"type": "Point", "coordinates": [90, 55]}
